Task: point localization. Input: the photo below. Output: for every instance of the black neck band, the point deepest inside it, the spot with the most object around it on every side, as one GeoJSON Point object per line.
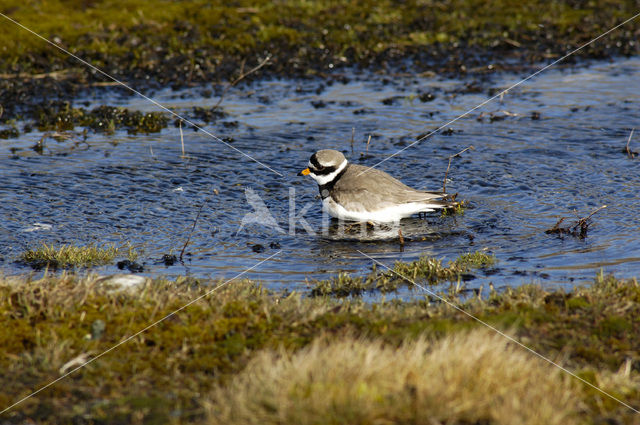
{"type": "Point", "coordinates": [325, 188]}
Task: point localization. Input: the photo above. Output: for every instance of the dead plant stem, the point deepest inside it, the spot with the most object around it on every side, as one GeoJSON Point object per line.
{"type": "Point", "coordinates": [629, 153]}
{"type": "Point", "coordinates": [446, 174]}
{"type": "Point", "coordinates": [242, 76]}
{"type": "Point", "coordinates": [192, 229]}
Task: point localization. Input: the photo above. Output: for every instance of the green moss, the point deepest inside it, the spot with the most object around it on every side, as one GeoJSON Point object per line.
{"type": "Point", "coordinates": [341, 286]}
{"type": "Point", "coordinates": [195, 39]}
{"type": "Point", "coordinates": [67, 256]}
{"type": "Point", "coordinates": [427, 268]}
{"type": "Point", "coordinates": [433, 271]}
{"type": "Point", "coordinates": [577, 303]}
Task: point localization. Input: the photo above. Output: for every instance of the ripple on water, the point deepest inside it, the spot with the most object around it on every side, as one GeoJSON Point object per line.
{"type": "Point", "coordinates": [523, 175]}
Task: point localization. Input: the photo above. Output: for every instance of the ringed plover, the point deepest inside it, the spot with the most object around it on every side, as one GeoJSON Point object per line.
{"type": "Point", "coordinates": [359, 193]}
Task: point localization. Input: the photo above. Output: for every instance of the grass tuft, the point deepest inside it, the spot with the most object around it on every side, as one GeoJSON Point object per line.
{"type": "Point", "coordinates": [475, 260]}
{"type": "Point", "coordinates": [469, 378]}
{"type": "Point", "coordinates": [457, 209]}
{"type": "Point", "coordinates": [70, 256]}
{"type": "Point", "coordinates": [342, 285]}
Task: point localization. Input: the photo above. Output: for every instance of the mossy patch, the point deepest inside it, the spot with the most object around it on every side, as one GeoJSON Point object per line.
{"type": "Point", "coordinates": [464, 378]}
{"type": "Point", "coordinates": [71, 256]}
{"type": "Point", "coordinates": [187, 40]}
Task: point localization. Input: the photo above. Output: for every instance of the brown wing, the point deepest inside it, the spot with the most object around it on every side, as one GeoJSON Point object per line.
{"type": "Point", "coordinates": [362, 188]}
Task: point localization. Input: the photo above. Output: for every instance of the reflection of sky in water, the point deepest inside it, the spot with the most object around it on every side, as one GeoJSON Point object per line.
{"type": "Point", "coordinates": [522, 175]}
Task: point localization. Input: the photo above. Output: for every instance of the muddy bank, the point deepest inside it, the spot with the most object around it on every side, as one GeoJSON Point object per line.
{"type": "Point", "coordinates": [193, 43]}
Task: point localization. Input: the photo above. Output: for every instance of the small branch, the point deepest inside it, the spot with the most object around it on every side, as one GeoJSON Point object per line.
{"type": "Point", "coordinates": [446, 174]}
{"type": "Point", "coordinates": [242, 76]}
{"type": "Point", "coordinates": [629, 153]}
{"type": "Point", "coordinates": [579, 229]}
{"type": "Point", "coordinates": [556, 227]}
{"type": "Point", "coordinates": [55, 74]}
{"type": "Point", "coordinates": [191, 233]}
{"type": "Point", "coordinates": [583, 221]}
{"type": "Point", "coordinates": [105, 84]}
{"type": "Point", "coordinates": [368, 141]}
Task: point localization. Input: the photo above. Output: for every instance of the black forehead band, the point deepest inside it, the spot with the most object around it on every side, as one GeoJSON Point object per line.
{"type": "Point", "coordinates": [314, 162]}
{"type": "Point", "coordinates": [324, 171]}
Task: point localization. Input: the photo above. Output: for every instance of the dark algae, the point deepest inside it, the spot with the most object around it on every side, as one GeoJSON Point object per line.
{"type": "Point", "coordinates": [60, 116]}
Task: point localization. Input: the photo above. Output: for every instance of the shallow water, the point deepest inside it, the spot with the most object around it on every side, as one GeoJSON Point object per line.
{"type": "Point", "coordinates": [523, 175]}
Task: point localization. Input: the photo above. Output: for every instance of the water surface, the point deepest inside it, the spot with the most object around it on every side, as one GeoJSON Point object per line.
{"type": "Point", "coordinates": [552, 147]}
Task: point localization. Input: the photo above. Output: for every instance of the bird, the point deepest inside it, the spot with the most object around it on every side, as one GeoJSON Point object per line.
{"type": "Point", "coordinates": [357, 193]}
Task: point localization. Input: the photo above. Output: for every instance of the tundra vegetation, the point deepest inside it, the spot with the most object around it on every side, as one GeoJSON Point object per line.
{"type": "Point", "coordinates": [243, 354]}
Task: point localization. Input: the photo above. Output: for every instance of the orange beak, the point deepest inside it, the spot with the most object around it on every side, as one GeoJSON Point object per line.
{"type": "Point", "coordinates": [304, 172]}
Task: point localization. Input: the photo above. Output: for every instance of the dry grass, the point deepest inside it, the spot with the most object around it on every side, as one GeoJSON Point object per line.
{"type": "Point", "coordinates": [48, 325]}
{"type": "Point", "coordinates": [468, 378]}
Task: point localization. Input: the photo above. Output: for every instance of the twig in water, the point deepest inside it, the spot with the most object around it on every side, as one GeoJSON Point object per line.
{"type": "Point", "coordinates": [446, 174]}
{"type": "Point", "coordinates": [353, 135]}
{"type": "Point", "coordinates": [579, 229]}
{"type": "Point", "coordinates": [181, 137]}
{"type": "Point", "coordinates": [368, 141]}
{"type": "Point", "coordinates": [401, 238]}
{"type": "Point", "coordinates": [630, 154]}
{"type": "Point", "coordinates": [59, 136]}
{"type": "Point", "coordinates": [242, 76]}
{"type": "Point", "coordinates": [192, 229]}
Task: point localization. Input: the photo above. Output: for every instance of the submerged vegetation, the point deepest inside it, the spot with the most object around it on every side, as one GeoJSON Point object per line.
{"type": "Point", "coordinates": [242, 353]}
{"type": "Point", "coordinates": [425, 269]}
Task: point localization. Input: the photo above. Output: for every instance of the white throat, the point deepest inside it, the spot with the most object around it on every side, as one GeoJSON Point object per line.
{"type": "Point", "coordinates": [322, 180]}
